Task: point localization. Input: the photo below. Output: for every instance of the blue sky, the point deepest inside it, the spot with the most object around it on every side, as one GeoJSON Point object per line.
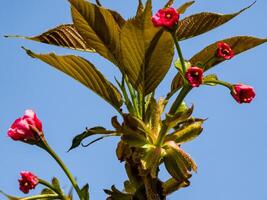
{"type": "Point", "coordinates": [230, 153]}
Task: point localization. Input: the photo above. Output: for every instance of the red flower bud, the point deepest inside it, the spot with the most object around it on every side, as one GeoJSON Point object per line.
{"type": "Point", "coordinates": [27, 182]}
{"type": "Point", "coordinates": [23, 128]}
{"type": "Point", "coordinates": [167, 17]}
{"type": "Point", "coordinates": [225, 51]}
{"type": "Point", "coordinates": [243, 93]}
{"type": "Point", "coordinates": [194, 76]}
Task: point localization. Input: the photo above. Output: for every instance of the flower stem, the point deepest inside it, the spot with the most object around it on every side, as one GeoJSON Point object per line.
{"type": "Point", "coordinates": [179, 99]}
{"type": "Point", "coordinates": [49, 150]}
{"type": "Point", "coordinates": [178, 48]}
{"type": "Point", "coordinates": [219, 82]}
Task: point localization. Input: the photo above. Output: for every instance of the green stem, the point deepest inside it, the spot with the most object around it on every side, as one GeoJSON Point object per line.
{"type": "Point", "coordinates": [49, 150]}
{"type": "Point", "coordinates": [42, 196]}
{"type": "Point", "coordinates": [134, 98]}
{"type": "Point", "coordinates": [179, 99]}
{"type": "Point", "coordinates": [219, 82]}
{"type": "Point", "coordinates": [178, 48]}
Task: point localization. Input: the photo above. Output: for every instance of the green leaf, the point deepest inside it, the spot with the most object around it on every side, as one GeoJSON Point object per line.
{"type": "Point", "coordinates": [173, 120]}
{"type": "Point", "coordinates": [85, 192]}
{"type": "Point", "coordinates": [183, 8]}
{"type": "Point", "coordinates": [64, 35]}
{"type": "Point", "coordinates": [169, 3]}
{"type": "Point", "coordinates": [146, 52]}
{"type": "Point", "coordinates": [140, 8]}
{"type": "Point", "coordinates": [186, 133]}
{"type": "Point", "coordinates": [238, 44]}
{"type": "Point", "coordinates": [207, 80]}
{"type": "Point", "coordinates": [84, 72]}
{"type": "Point", "coordinates": [203, 22]}
{"type": "Point", "coordinates": [87, 133]}
{"type": "Point", "coordinates": [47, 191]}
{"type": "Point", "coordinates": [98, 27]}
{"type": "Point", "coordinates": [56, 184]}
{"type": "Point", "coordinates": [177, 162]}
{"type": "Point", "coordinates": [173, 185]}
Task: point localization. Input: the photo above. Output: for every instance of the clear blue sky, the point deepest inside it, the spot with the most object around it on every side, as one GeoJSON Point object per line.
{"type": "Point", "coordinates": [230, 153]}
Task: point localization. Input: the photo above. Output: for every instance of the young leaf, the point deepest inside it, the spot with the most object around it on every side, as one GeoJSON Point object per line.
{"type": "Point", "coordinates": [203, 22]}
{"type": "Point", "coordinates": [56, 184]}
{"type": "Point", "coordinates": [85, 192]}
{"type": "Point", "coordinates": [186, 133]}
{"type": "Point", "coordinates": [84, 72]}
{"type": "Point", "coordinates": [64, 35]}
{"type": "Point", "coordinates": [115, 194]}
{"type": "Point", "coordinates": [140, 8]}
{"type": "Point", "coordinates": [183, 8]}
{"type": "Point", "coordinates": [87, 133]}
{"type": "Point", "coordinates": [169, 3]}
{"type": "Point", "coordinates": [238, 44]}
{"type": "Point", "coordinates": [207, 80]}
{"type": "Point", "coordinates": [98, 28]}
{"type": "Point", "coordinates": [173, 185]}
{"type": "Point", "coordinates": [146, 52]}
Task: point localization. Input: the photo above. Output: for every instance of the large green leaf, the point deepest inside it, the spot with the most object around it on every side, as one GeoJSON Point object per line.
{"type": "Point", "coordinates": [64, 35]}
{"type": "Point", "coordinates": [202, 22]}
{"type": "Point", "coordinates": [98, 27]}
{"type": "Point", "coordinates": [84, 72]}
{"type": "Point", "coordinates": [238, 44]}
{"type": "Point", "coordinates": [146, 52]}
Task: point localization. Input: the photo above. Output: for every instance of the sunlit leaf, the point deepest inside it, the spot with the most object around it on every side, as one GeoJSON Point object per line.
{"type": "Point", "coordinates": [140, 8]}
{"type": "Point", "coordinates": [169, 3]}
{"type": "Point", "coordinates": [185, 133]}
{"type": "Point", "coordinates": [84, 72]}
{"type": "Point", "coordinates": [87, 133]}
{"type": "Point", "coordinates": [146, 52]}
{"type": "Point", "coordinates": [85, 192]}
{"type": "Point", "coordinates": [203, 22]}
{"type": "Point", "coordinates": [115, 194]}
{"type": "Point", "coordinates": [98, 28]}
{"type": "Point", "coordinates": [173, 185]}
{"type": "Point", "coordinates": [183, 8]}
{"type": "Point", "coordinates": [65, 36]}
{"type": "Point", "coordinates": [238, 44]}
{"type": "Point", "coordinates": [208, 80]}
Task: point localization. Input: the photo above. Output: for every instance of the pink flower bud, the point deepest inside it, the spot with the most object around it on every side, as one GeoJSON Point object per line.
{"type": "Point", "coordinates": [23, 128]}
{"type": "Point", "coordinates": [243, 93]}
{"type": "Point", "coordinates": [27, 182]}
{"type": "Point", "coordinates": [225, 51]}
{"type": "Point", "coordinates": [194, 76]}
{"type": "Point", "coordinates": [167, 17]}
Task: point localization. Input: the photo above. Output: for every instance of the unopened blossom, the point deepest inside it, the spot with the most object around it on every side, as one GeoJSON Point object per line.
{"type": "Point", "coordinates": [243, 93]}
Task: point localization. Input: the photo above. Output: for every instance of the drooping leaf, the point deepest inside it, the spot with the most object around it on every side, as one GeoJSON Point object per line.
{"type": "Point", "coordinates": [85, 192]}
{"type": "Point", "coordinates": [183, 8]}
{"type": "Point", "coordinates": [87, 133]}
{"type": "Point", "coordinates": [238, 44]}
{"type": "Point", "coordinates": [173, 185]}
{"type": "Point", "coordinates": [146, 52]}
{"type": "Point", "coordinates": [84, 72]}
{"type": "Point", "coordinates": [64, 35]}
{"type": "Point", "coordinates": [203, 22]}
{"type": "Point", "coordinates": [186, 133]}
{"type": "Point", "coordinates": [98, 27]}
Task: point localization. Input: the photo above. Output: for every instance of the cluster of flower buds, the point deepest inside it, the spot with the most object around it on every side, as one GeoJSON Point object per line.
{"type": "Point", "coordinates": [169, 18]}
